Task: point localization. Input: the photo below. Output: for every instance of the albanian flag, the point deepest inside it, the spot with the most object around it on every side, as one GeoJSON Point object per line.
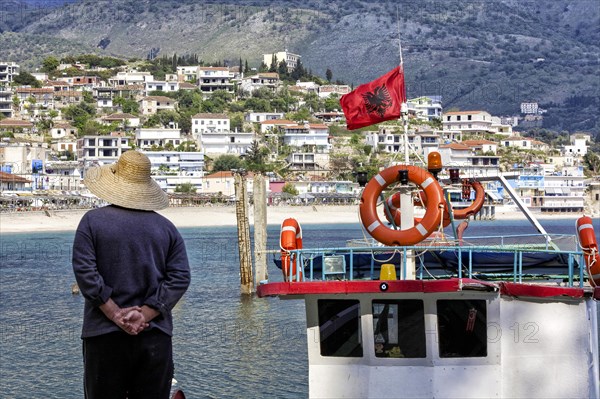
{"type": "Point", "coordinates": [376, 101]}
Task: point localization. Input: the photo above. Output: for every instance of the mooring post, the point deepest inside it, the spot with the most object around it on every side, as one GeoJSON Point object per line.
{"type": "Point", "coordinates": [260, 228]}
{"type": "Point", "coordinates": [243, 226]}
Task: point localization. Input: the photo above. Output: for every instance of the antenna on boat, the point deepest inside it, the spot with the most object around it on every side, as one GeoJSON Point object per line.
{"type": "Point", "coordinates": [404, 105]}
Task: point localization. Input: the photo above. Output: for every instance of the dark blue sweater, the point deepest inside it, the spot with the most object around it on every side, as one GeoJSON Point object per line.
{"type": "Point", "coordinates": [134, 257]}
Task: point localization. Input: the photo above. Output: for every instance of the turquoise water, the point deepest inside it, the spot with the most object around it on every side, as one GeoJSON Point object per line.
{"type": "Point", "coordinates": [224, 346]}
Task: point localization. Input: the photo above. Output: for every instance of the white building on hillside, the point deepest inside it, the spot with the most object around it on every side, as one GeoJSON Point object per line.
{"type": "Point", "coordinates": [150, 105]}
{"type": "Point", "coordinates": [262, 116]}
{"type": "Point", "coordinates": [328, 90]}
{"type": "Point", "coordinates": [426, 108]}
{"type": "Point", "coordinates": [103, 149]}
{"type": "Point", "coordinates": [291, 59]}
{"type": "Point", "coordinates": [130, 78]}
{"type": "Point", "coordinates": [313, 135]}
{"type": "Point", "coordinates": [171, 169]}
{"type": "Point", "coordinates": [211, 79]}
{"type": "Point", "coordinates": [474, 122]}
{"type": "Point", "coordinates": [266, 80]}
{"type": "Point", "coordinates": [153, 138]}
{"type": "Point", "coordinates": [579, 145]}
{"type": "Point", "coordinates": [8, 71]}
{"type": "Point", "coordinates": [206, 122]}
{"type": "Point", "coordinates": [164, 86]}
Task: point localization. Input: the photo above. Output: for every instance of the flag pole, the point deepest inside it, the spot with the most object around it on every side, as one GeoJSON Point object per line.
{"type": "Point", "coordinates": [403, 105]}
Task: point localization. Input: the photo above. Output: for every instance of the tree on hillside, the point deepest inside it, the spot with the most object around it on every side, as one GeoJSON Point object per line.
{"type": "Point", "coordinates": [273, 66]}
{"type": "Point", "coordinates": [50, 64]}
{"type": "Point", "coordinates": [227, 162]}
{"type": "Point", "coordinates": [26, 79]}
{"type": "Point", "coordinates": [328, 75]}
{"type": "Point", "coordinates": [282, 70]}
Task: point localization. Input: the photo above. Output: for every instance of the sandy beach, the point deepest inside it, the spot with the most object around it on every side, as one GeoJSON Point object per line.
{"type": "Point", "coordinates": [58, 220]}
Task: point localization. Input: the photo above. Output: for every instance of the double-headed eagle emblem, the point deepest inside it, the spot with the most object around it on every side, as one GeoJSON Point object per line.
{"type": "Point", "coordinates": [377, 101]}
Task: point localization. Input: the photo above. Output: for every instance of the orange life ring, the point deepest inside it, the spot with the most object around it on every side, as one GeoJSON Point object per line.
{"type": "Point", "coordinates": [587, 240]}
{"type": "Point", "coordinates": [476, 205]}
{"type": "Point", "coordinates": [413, 235]}
{"type": "Point", "coordinates": [290, 239]}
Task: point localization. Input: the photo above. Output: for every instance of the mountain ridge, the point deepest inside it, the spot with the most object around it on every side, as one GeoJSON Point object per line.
{"type": "Point", "coordinates": [491, 54]}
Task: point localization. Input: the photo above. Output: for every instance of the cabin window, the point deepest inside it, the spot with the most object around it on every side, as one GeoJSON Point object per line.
{"type": "Point", "coordinates": [399, 328]}
{"type": "Point", "coordinates": [339, 328]}
{"type": "Point", "coordinates": [462, 328]}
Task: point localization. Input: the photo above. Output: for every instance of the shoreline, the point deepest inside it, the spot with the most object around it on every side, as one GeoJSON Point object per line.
{"type": "Point", "coordinates": [207, 216]}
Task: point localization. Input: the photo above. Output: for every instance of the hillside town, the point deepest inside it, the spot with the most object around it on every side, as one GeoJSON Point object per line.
{"type": "Point", "coordinates": [199, 123]}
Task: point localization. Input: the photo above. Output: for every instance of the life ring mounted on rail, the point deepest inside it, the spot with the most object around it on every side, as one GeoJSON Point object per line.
{"type": "Point", "coordinates": [468, 184]}
{"type": "Point", "coordinates": [428, 224]}
{"type": "Point", "coordinates": [587, 240]}
{"type": "Point", "coordinates": [290, 239]}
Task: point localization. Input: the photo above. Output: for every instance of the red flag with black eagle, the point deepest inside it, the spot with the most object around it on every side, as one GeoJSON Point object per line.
{"type": "Point", "coordinates": [376, 101]}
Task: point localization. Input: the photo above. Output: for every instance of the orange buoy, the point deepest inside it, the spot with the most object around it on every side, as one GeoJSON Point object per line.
{"type": "Point", "coordinates": [413, 235]}
{"type": "Point", "coordinates": [290, 239]}
{"type": "Point", "coordinates": [587, 240]}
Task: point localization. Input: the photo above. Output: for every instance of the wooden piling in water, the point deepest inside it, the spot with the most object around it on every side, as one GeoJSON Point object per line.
{"type": "Point", "coordinates": [243, 227]}
{"type": "Point", "coordinates": [260, 228]}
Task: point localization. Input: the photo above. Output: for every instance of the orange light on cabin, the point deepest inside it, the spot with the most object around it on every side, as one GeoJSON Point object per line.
{"type": "Point", "coordinates": [434, 162]}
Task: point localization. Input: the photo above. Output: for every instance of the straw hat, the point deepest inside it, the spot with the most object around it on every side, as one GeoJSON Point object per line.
{"type": "Point", "coordinates": [127, 183]}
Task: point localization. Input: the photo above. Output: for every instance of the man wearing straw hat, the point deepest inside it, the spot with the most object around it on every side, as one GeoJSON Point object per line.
{"type": "Point", "coordinates": [132, 268]}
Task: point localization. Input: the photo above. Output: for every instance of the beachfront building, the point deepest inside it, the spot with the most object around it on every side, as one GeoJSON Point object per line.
{"type": "Point", "coordinates": [223, 182]}
{"type": "Point", "coordinates": [171, 169]}
{"type": "Point", "coordinates": [558, 192]}
{"type": "Point", "coordinates": [12, 182]}
{"type": "Point", "coordinates": [25, 159]}
{"type": "Point", "coordinates": [157, 138]}
{"type": "Point", "coordinates": [62, 175]}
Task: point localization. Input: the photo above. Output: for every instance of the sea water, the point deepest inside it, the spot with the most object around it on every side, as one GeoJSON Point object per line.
{"type": "Point", "coordinates": [224, 345]}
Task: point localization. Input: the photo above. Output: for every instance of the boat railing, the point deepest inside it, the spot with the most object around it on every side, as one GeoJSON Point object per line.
{"type": "Point", "coordinates": [509, 258]}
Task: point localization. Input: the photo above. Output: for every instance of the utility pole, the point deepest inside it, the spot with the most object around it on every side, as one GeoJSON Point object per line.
{"type": "Point", "coordinates": [243, 226]}
{"type": "Point", "coordinates": [260, 228]}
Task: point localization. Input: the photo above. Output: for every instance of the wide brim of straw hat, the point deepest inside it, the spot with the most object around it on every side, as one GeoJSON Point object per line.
{"type": "Point", "coordinates": [122, 187]}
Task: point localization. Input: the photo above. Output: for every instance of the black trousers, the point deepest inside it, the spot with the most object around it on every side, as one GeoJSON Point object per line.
{"type": "Point", "coordinates": [119, 366]}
